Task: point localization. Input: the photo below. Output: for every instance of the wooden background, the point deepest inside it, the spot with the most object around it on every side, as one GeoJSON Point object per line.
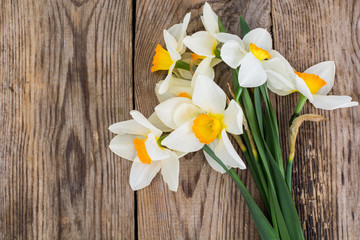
{"type": "Point", "coordinates": [70, 68]}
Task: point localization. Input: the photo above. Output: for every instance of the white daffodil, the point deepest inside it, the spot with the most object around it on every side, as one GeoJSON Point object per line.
{"type": "Point", "coordinates": [137, 141]}
{"type": "Point", "coordinates": [204, 43]}
{"type": "Point", "coordinates": [182, 87]}
{"type": "Point", "coordinates": [315, 83]}
{"type": "Point", "coordinates": [203, 120]}
{"type": "Point", "coordinates": [166, 59]}
{"type": "Point", "coordinates": [177, 88]}
{"type": "Point", "coordinates": [250, 54]}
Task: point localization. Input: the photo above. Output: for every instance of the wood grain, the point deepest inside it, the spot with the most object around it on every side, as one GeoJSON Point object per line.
{"type": "Point", "coordinates": [207, 204]}
{"type": "Point", "coordinates": [65, 77]}
{"type": "Point", "coordinates": [68, 70]}
{"type": "Point", "coordinates": [326, 169]}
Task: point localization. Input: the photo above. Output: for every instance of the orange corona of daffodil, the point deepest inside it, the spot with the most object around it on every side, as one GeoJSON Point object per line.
{"type": "Point", "coordinates": [313, 81]}
{"type": "Point", "coordinates": [251, 54]}
{"type": "Point", "coordinates": [161, 60]}
{"type": "Point", "coordinates": [141, 150]}
{"type": "Point", "coordinates": [206, 127]}
{"type": "Point", "coordinates": [166, 59]}
{"type": "Point", "coordinates": [204, 120]}
{"type": "Point", "coordinates": [259, 53]}
{"type": "Point", "coordinates": [137, 141]}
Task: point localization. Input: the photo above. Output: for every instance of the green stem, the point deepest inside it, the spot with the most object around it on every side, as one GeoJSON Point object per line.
{"type": "Point", "coordinates": [265, 229]}
{"type": "Point", "coordinates": [284, 208]}
{"type": "Point", "coordinates": [217, 53]}
{"type": "Point", "coordinates": [254, 168]}
{"type": "Point", "coordinates": [288, 173]}
{"type": "Point", "coordinates": [183, 65]}
{"type": "Point", "coordinates": [299, 107]}
{"type": "Point", "coordinates": [162, 138]}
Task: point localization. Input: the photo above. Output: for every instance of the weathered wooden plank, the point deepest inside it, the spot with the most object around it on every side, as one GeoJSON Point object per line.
{"type": "Point", "coordinates": [326, 169]}
{"type": "Point", "coordinates": [65, 71]}
{"type": "Point", "coordinates": [207, 204]}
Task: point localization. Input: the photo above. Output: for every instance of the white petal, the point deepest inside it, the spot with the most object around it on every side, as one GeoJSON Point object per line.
{"type": "Point", "coordinates": [251, 73]}
{"type": "Point", "coordinates": [142, 174]}
{"type": "Point", "coordinates": [183, 139]}
{"type": "Point", "coordinates": [215, 61]}
{"type": "Point", "coordinates": [176, 87]}
{"type": "Point", "coordinates": [201, 43]}
{"type": "Point", "coordinates": [179, 154]}
{"type": "Point", "coordinates": [123, 146]}
{"type": "Point", "coordinates": [224, 37]}
{"type": "Point", "coordinates": [214, 164]}
{"type": "Point", "coordinates": [164, 86]}
{"type": "Point", "coordinates": [203, 68]}
{"type": "Point", "coordinates": [138, 117]}
{"type": "Point", "coordinates": [165, 96]}
{"type": "Point", "coordinates": [326, 71]}
{"type": "Point", "coordinates": [233, 118]}
{"type": "Point", "coordinates": [179, 32]}
{"type": "Point", "coordinates": [155, 120]}
{"type": "Point", "coordinates": [208, 95]}
{"type": "Point", "coordinates": [232, 52]}
{"type": "Point", "coordinates": [130, 127]}
{"type": "Point", "coordinates": [260, 37]}
{"type": "Point", "coordinates": [279, 84]}
{"type": "Point", "coordinates": [179, 85]}
{"type": "Point", "coordinates": [171, 45]}
{"type": "Point", "coordinates": [332, 102]}
{"type": "Point", "coordinates": [278, 64]}
{"type": "Point", "coordinates": [153, 149]}
{"type": "Point", "coordinates": [182, 73]}
{"type": "Point", "coordinates": [185, 112]}
{"type": "Point", "coordinates": [210, 20]}
{"type": "Point", "coordinates": [170, 168]}
{"type": "Point", "coordinates": [166, 110]}
{"type": "Point", "coordinates": [280, 76]}
{"type": "Point", "coordinates": [275, 54]}
{"type": "Point", "coordinates": [175, 31]}
{"type": "Point", "coordinates": [303, 88]}
{"type": "Point", "coordinates": [226, 152]}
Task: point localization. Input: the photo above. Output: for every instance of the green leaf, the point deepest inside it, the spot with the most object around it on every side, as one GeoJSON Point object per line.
{"type": "Point", "coordinates": [237, 88]}
{"type": "Point", "coordinates": [275, 179]}
{"type": "Point", "coordinates": [244, 26]}
{"type": "Point", "coordinates": [235, 79]}
{"type": "Point", "coordinates": [221, 26]}
{"type": "Point", "coordinates": [264, 227]}
{"type": "Point", "coordinates": [282, 228]}
{"type": "Point", "coordinates": [257, 173]}
{"type": "Point", "coordinates": [258, 107]}
{"type": "Point", "coordinates": [271, 129]}
{"type": "Point", "coordinates": [286, 203]}
{"type": "Point", "coordinates": [217, 53]}
{"type": "Point", "coordinates": [183, 65]}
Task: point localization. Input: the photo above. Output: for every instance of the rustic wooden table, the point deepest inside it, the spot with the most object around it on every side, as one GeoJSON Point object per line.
{"type": "Point", "coordinates": [70, 68]}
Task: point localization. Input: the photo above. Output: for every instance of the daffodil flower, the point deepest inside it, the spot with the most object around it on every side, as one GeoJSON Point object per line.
{"type": "Point", "coordinates": [203, 120]}
{"type": "Point", "coordinates": [204, 43]}
{"type": "Point", "coordinates": [182, 87]}
{"type": "Point", "coordinates": [250, 54]}
{"type": "Point", "coordinates": [137, 141]}
{"type": "Point", "coordinates": [166, 59]}
{"type": "Point", "coordinates": [315, 83]}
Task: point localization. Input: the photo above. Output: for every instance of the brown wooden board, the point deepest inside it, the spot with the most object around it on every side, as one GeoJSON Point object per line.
{"type": "Point", "coordinates": [65, 70]}
{"type": "Point", "coordinates": [207, 204]}
{"type": "Point", "coordinates": [68, 70]}
{"type": "Point", "coordinates": [326, 166]}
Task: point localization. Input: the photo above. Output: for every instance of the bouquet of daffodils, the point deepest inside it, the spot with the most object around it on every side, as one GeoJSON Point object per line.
{"type": "Point", "coordinates": [195, 114]}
